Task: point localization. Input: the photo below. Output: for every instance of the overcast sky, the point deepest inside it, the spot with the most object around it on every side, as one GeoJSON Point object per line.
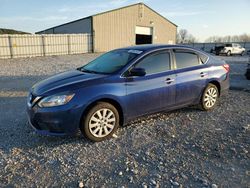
{"type": "Point", "coordinates": [201, 18]}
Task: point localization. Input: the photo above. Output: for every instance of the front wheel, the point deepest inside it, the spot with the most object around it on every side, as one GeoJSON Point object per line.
{"type": "Point", "coordinates": [228, 53]}
{"type": "Point", "coordinates": [100, 122]}
{"type": "Point", "coordinates": [209, 97]}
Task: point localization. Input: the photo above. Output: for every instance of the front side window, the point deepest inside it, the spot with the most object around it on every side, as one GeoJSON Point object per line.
{"type": "Point", "coordinates": [155, 63]}
{"type": "Point", "coordinates": [186, 59]}
{"type": "Point", "coordinates": [111, 62]}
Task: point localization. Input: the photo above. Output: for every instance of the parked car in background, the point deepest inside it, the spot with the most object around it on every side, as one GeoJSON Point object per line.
{"type": "Point", "coordinates": [228, 49]}
{"type": "Point", "coordinates": [122, 85]}
{"type": "Point", "coordinates": [217, 49]}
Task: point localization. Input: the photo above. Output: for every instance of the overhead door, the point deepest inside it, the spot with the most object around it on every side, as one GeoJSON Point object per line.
{"type": "Point", "coordinates": [144, 35]}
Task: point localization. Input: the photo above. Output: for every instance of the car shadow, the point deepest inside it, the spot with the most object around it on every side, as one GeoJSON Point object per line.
{"type": "Point", "coordinates": [158, 115]}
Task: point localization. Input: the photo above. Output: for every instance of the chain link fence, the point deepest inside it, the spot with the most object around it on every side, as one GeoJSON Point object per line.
{"type": "Point", "coordinates": [208, 46]}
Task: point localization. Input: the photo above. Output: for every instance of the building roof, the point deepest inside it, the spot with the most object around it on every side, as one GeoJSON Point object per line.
{"type": "Point", "coordinates": [108, 12]}
{"type": "Point", "coordinates": [134, 5]}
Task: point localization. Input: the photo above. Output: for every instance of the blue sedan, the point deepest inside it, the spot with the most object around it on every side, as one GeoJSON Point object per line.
{"type": "Point", "coordinates": [124, 84]}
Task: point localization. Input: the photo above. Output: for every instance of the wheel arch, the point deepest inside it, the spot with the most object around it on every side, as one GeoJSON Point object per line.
{"type": "Point", "coordinates": [111, 101]}
{"type": "Point", "coordinates": [217, 84]}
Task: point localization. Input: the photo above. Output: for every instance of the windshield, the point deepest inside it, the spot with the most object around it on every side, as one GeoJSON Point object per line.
{"type": "Point", "coordinates": [110, 62]}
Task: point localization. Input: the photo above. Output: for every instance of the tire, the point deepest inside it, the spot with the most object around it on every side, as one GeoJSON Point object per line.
{"type": "Point", "coordinates": [242, 53]}
{"type": "Point", "coordinates": [228, 53]}
{"type": "Point", "coordinates": [209, 97]}
{"type": "Point", "coordinates": [100, 122]}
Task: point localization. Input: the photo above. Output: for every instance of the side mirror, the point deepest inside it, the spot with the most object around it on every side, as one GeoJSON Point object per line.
{"type": "Point", "coordinates": [137, 72]}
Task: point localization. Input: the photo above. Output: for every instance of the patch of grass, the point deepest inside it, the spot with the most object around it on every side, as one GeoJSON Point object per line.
{"type": "Point", "coordinates": [11, 31]}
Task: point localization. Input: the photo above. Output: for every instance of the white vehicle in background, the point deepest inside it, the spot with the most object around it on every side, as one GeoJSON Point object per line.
{"type": "Point", "coordinates": [232, 49]}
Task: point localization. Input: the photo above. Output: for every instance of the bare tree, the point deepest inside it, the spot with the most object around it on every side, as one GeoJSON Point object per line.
{"type": "Point", "coordinates": [244, 38]}
{"type": "Point", "coordinates": [184, 37]}
{"type": "Point", "coordinates": [235, 38]}
{"type": "Point", "coordinates": [229, 38]}
{"type": "Point", "coordinates": [214, 39]}
{"type": "Point", "coordinates": [191, 39]}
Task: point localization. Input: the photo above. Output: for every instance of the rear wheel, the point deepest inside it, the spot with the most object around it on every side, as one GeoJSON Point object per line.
{"type": "Point", "coordinates": [100, 122]}
{"type": "Point", "coordinates": [209, 97]}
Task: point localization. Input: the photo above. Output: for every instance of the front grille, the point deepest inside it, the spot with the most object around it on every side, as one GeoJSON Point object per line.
{"type": "Point", "coordinates": [35, 124]}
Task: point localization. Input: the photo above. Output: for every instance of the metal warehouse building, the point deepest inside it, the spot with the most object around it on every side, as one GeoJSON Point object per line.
{"type": "Point", "coordinates": [126, 26]}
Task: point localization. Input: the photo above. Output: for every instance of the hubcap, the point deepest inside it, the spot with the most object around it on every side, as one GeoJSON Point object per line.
{"type": "Point", "coordinates": [102, 122]}
{"type": "Point", "coordinates": [210, 97]}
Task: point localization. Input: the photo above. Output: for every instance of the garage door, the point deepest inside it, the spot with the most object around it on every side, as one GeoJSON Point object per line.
{"type": "Point", "coordinates": [143, 35]}
{"type": "Point", "coordinates": [144, 30]}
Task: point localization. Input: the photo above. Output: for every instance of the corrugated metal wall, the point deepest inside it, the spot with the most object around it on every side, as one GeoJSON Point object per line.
{"type": "Point", "coordinates": [26, 45]}
{"type": "Point", "coordinates": [56, 44]}
{"type": "Point", "coordinates": [4, 46]}
{"type": "Point", "coordinates": [76, 27]}
{"type": "Point", "coordinates": [81, 26]}
{"type": "Point", "coordinates": [116, 28]}
{"type": "Point", "coordinates": [14, 46]}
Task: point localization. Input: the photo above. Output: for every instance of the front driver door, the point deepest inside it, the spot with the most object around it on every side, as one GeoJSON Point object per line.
{"type": "Point", "coordinates": [155, 90]}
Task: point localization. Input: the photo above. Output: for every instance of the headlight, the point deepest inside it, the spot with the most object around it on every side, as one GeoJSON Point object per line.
{"type": "Point", "coordinates": [55, 100]}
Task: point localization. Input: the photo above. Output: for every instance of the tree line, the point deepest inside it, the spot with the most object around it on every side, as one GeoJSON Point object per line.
{"type": "Point", "coordinates": [183, 36]}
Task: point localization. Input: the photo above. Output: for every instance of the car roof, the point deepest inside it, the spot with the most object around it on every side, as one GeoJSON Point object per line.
{"type": "Point", "coordinates": [150, 47]}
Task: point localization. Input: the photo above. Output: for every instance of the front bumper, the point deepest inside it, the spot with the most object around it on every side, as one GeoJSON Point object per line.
{"type": "Point", "coordinates": [61, 120]}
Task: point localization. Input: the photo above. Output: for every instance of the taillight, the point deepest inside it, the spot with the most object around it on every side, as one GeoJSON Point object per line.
{"type": "Point", "coordinates": [226, 66]}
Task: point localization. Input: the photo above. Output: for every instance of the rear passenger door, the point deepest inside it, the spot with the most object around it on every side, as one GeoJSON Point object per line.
{"type": "Point", "coordinates": [191, 76]}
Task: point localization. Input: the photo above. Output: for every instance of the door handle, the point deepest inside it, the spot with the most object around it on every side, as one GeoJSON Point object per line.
{"type": "Point", "coordinates": [203, 74]}
{"type": "Point", "coordinates": [169, 80]}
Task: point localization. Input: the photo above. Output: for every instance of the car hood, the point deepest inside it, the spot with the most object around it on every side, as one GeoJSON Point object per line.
{"type": "Point", "coordinates": [73, 77]}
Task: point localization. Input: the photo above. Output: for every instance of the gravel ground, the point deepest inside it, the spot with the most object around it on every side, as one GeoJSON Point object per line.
{"type": "Point", "coordinates": [182, 148]}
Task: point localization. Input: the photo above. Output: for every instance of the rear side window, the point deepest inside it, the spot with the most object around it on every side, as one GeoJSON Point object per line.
{"type": "Point", "coordinates": [186, 59]}
{"type": "Point", "coordinates": [203, 58]}
{"type": "Point", "coordinates": [155, 63]}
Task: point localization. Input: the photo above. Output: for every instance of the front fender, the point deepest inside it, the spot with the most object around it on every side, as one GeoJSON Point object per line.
{"type": "Point", "coordinates": [113, 91]}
